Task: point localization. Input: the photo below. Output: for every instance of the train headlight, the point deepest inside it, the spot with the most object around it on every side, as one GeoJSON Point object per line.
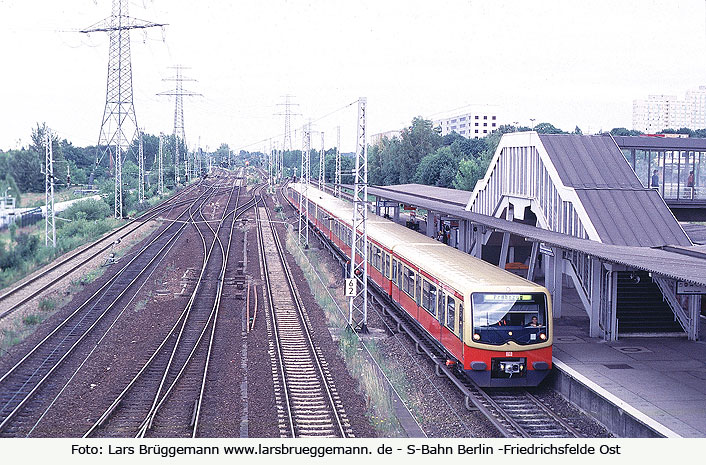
{"type": "Point", "coordinates": [543, 336]}
{"type": "Point", "coordinates": [509, 333]}
{"type": "Point", "coordinates": [476, 337]}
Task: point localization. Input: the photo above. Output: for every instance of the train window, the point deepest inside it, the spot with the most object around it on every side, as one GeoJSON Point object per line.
{"type": "Point", "coordinates": [408, 282]}
{"type": "Point", "coordinates": [418, 288]}
{"type": "Point", "coordinates": [386, 267]}
{"type": "Point", "coordinates": [426, 287]}
{"type": "Point", "coordinates": [460, 320]}
{"type": "Point", "coordinates": [432, 299]}
{"type": "Point", "coordinates": [441, 305]}
{"type": "Point", "coordinates": [394, 272]}
{"type": "Point", "coordinates": [451, 314]}
{"type": "Point", "coordinates": [499, 318]}
{"type": "Point", "coordinates": [377, 258]}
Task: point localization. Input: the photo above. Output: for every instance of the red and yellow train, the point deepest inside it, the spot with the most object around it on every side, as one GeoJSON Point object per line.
{"type": "Point", "coordinates": [495, 325]}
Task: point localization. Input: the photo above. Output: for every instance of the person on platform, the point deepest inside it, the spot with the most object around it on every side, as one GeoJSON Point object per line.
{"type": "Point", "coordinates": [655, 179]}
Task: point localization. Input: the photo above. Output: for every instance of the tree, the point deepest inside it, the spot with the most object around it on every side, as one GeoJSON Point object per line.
{"type": "Point", "coordinates": [548, 128]}
{"type": "Point", "coordinates": [625, 132]}
{"type": "Point", "coordinates": [28, 170]}
{"type": "Point", "coordinates": [577, 130]}
{"type": "Point", "coordinates": [417, 141]}
{"type": "Point", "coordinates": [470, 171]}
{"type": "Point", "coordinates": [438, 168]}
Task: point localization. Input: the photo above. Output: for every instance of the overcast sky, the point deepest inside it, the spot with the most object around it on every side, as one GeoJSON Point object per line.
{"type": "Point", "coordinates": [568, 62]}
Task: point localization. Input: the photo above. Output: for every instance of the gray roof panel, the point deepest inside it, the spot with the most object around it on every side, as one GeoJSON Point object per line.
{"type": "Point", "coordinates": [661, 143]}
{"type": "Point", "coordinates": [632, 217]}
{"type": "Point", "coordinates": [589, 162]}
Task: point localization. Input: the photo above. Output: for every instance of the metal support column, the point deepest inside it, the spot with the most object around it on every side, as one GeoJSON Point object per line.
{"type": "Point", "coordinates": [694, 317]}
{"type": "Point", "coordinates": [49, 214]}
{"type": "Point", "coordinates": [596, 298]}
{"type": "Point", "coordinates": [303, 192]}
{"type": "Point", "coordinates": [557, 279]}
{"type": "Point", "coordinates": [431, 229]}
{"type": "Point", "coordinates": [141, 169]}
{"type": "Point", "coordinates": [358, 303]}
{"type": "Point", "coordinates": [532, 261]}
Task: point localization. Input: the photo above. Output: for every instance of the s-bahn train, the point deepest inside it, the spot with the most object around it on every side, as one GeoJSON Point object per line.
{"type": "Point", "coordinates": [496, 326]}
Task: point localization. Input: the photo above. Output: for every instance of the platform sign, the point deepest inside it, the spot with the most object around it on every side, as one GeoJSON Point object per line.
{"type": "Point", "coordinates": [543, 249]}
{"type": "Point", "coordinates": [690, 289]}
{"type": "Point", "coordinates": [351, 287]}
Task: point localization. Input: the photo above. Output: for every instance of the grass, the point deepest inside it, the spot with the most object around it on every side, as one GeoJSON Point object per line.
{"type": "Point", "coordinates": [374, 386]}
{"type": "Point", "coordinates": [47, 304]}
{"type": "Point", "coordinates": [19, 328]}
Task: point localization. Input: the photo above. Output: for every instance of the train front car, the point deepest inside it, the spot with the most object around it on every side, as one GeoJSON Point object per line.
{"type": "Point", "coordinates": [495, 325]}
{"type": "Point", "coordinates": [509, 337]}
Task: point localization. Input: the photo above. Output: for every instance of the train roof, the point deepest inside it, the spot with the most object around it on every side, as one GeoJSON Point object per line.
{"type": "Point", "coordinates": [459, 270]}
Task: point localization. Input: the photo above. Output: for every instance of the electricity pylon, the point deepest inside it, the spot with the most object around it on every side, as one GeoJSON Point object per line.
{"type": "Point", "coordinates": [287, 142]}
{"type": "Point", "coordinates": [179, 131]}
{"type": "Point", "coordinates": [119, 124]}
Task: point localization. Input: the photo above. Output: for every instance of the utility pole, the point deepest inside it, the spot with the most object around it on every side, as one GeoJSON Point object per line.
{"type": "Point", "coordinates": [270, 162]}
{"type": "Point", "coordinates": [161, 165]}
{"type": "Point", "coordinates": [304, 183]}
{"type": "Point", "coordinates": [119, 124]}
{"type": "Point", "coordinates": [179, 131]}
{"type": "Point", "coordinates": [141, 170]}
{"type": "Point", "coordinates": [337, 187]}
{"type": "Point", "coordinates": [49, 217]}
{"type": "Point", "coordinates": [358, 303]}
{"type": "Point", "coordinates": [322, 164]}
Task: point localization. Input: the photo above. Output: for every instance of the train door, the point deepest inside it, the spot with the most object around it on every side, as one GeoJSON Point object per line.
{"type": "Point", "coordinates": [386, 273]}
{"type": "Point", "coordinates": [452, 325]}
{"type": "Point", "coordinates": [428, 317]}
{"type": "Point", "coordinates": [394, 285]}
{"type": "Point", "coordinates": [440, 313]}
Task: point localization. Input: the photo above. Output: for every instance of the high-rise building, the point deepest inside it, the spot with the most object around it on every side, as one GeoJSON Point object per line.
{"type": "Point", "coordinates": [475, 123]}
{"type": "Point", "coordinates": [659, 112]}
{"type": "Point", "coordinates": [697, 101]}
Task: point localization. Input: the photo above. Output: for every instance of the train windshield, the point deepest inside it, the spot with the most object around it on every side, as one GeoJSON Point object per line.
{"type": "Point", "coordinates": [499, 318]}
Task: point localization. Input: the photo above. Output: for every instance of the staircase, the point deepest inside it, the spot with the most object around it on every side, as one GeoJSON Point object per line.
{"type": "Point", "coordinates": [641, 308]}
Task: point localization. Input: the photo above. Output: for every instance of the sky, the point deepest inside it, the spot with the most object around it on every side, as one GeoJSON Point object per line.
{"type": "Point", "coordinates": [568, 62]}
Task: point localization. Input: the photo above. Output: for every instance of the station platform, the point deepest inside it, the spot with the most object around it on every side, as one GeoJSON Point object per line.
{"type": "Point", "coordinates": [659, 380]}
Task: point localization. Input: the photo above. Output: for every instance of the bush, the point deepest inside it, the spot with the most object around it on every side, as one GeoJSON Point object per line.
{"type": "Point", "coordinates": [90, 209]}
{"type": "Point", "coordinates": [47, 304]}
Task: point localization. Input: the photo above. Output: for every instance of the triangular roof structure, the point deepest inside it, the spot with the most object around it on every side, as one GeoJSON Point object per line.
{"type": "Point", "coordinates": [578, 185]}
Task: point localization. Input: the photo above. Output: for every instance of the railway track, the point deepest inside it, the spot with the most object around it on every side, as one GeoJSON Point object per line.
{"type": "Point", "coordinates": [15, 297]}
{"type": "Point", "coordinates": [307, 400]}
{"type": "Point", "coordinates": [165, 397]}
{"type": "Point", "coordinates": [20, 385]}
